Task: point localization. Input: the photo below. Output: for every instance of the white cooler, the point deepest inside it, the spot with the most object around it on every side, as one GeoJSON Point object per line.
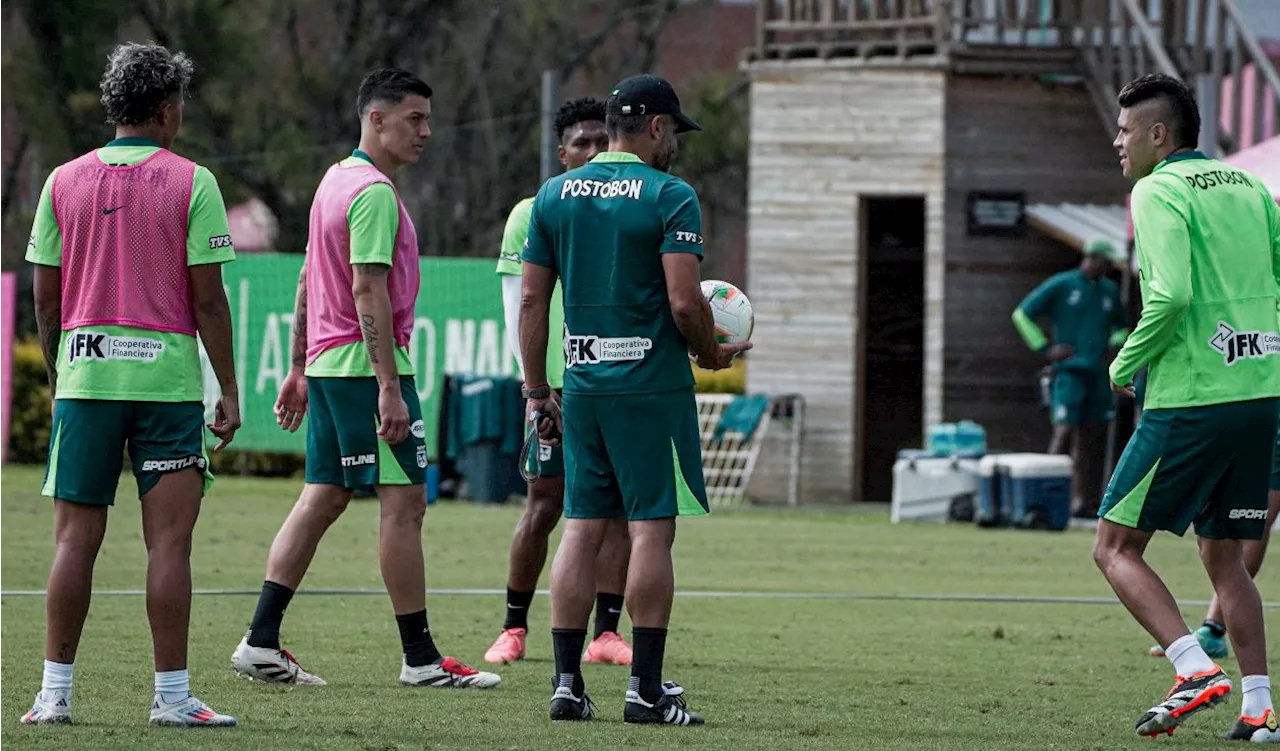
{"type": "Point", "coordinates": [924, 487]}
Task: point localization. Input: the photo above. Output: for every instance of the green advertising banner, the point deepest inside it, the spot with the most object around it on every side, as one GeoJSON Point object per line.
{"type": "Point", "coordinates": [458, 329]}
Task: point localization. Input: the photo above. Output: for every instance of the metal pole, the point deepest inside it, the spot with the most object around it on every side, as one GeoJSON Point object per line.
{"type": "Point", "coordinates": [549, 97]}
{"type": "Point", "coordinates": [1207, 98]}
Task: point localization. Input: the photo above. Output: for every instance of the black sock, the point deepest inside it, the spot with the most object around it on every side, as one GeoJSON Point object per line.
{"type": "Point", "coordinates": [649, 645]}
{"type": "Point", "coordinates": [608, 611]}
{"type": "Point", "coordinates": [568, 644]}
{"type": "Point", "coordinates": [1215, 628]}
{"type": "Point", "coordinates": [415, 639]}
{"type": "Point", "coordinates": [518, 608]}
{"type": "Point", "coordinates": [264, 630]}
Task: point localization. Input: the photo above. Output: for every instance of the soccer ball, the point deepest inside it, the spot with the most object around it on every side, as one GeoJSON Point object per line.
{"type": "Point", "coordinates": [734, 318]}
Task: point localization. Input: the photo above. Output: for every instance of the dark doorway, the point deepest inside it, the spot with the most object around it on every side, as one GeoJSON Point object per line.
{"type": "Point", "coordinates": [890, 340]}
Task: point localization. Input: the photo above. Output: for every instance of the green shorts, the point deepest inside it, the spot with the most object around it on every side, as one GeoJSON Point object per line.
{"type": "Point", "coordinates": [86, 452]}
{"type": "Point", "coordinates": [636, 455]}
{"type": "Point", "coordinates": [1208, 465]}
{"type": "Point", "coordinates": [1081, 397]}
{"type": "Point", "coordinates": [343, 447]}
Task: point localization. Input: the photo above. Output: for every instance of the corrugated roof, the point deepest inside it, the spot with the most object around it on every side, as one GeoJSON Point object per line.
{"type": "Point", "coordinates": [1076, 224]}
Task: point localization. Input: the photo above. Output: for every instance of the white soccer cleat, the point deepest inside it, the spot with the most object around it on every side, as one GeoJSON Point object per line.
{"type": "Point", "coordinates": [188, 713]}
{"type": "Point", "coordinates": [449, 673]}
{"type": "Point", "coordinates": [54, 709]}
{"type": "Point", "coordinates": [271, 666]}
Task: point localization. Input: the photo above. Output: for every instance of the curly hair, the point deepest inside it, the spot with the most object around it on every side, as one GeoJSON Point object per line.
{"type": "Point", "coordinates": [577, 111]}
{"type": "Point", "coordinates": [139, 79]}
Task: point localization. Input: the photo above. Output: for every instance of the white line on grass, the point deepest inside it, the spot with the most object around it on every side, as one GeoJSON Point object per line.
{"type": "Point", "coordinates": [697, 594]}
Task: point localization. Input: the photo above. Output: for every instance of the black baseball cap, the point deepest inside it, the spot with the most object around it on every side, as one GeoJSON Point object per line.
{"type": "Point", "coordinates": [648, 95]}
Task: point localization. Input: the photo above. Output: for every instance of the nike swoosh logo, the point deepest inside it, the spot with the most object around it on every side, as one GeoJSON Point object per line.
{"type": "Point", "coordinates": [614, 610]}
{"type": "Point", "coordinates": [109, 212]}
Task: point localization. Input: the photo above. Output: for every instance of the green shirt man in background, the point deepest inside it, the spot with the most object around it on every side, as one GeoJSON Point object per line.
{"type": "Point", "coordinates": [1087, 318]}
{"type": "Point", "coordinates": [579, 127]}
{"type": "Point", "coordinates": [1208, 246]}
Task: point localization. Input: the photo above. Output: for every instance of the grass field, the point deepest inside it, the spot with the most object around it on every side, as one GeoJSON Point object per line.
{"type": "Point", "coordinates": [769, 673]}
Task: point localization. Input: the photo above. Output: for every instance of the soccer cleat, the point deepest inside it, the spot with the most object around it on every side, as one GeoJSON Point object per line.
{"type": "Point", "coordinates": [508, 648]}
{"type": "Point", "coordinates": [188, 713]}
{"type": "Point", "coordinates": [1264, 729]}
{"type": "Point", "coordinates": [271, 666]}
{"type": "Point", "coordinates": [1189, 695]}
{"type": "Point", "coordinates": [608, 648]}
{"type": "Point", "coordinates": [54, 709]}
{"type": "Point", "coordinates": [565, 707]}
{"type": "Point", "coordinates": [1214, 646]}
{"type": "Point", "coordinates": [671, 709]}
{"type": "Point", "coordinates": [448, 673]}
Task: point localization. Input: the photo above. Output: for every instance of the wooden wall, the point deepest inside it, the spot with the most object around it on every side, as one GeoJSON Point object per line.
{"type": "Point", "coordinates": [1011, 134]}
{"type": "Point", "coordinates": [822, 135]}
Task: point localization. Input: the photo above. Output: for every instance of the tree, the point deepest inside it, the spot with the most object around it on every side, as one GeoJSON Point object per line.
{"type": "Point", "coordinates": [273, 100]}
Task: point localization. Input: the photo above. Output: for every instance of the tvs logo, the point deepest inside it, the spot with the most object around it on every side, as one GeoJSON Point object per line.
{"type": "Point", "coordinates": [688, 237]}
{"type": "Point", "coordinates": [219, 241]}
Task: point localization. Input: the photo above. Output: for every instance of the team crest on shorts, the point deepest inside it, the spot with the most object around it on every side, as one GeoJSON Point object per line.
{"type": "Point", "coordinates": [422, 456]}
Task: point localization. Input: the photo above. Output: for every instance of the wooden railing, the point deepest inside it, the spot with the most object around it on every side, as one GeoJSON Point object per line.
{"type": "Point", "coordinates": [863, 28]}
{"type": "Point", "coordinates": [1205, 42]}
{"type": "Point", "coordinates": [1217, 42]}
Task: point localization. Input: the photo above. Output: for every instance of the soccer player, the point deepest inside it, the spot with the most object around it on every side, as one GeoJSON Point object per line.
{"type": "Point", "coordinates": [625, 238]}
{"type": "Point", "coordinates": [1212, 633]}
{"type": "Point", "coordinates": [580, 130]}
{"type": "Point", "coordinates": [128, 242]}
{"type": "Point", "coordinates": [352, 321]}
{"type": "Point", "coordinates": [1208, 243]}
{"type": "Point", "coordinates": [1087, 318]}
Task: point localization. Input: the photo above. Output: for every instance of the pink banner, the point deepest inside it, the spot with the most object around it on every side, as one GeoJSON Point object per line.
{"type": "Point", "coordinates": [8, 306]}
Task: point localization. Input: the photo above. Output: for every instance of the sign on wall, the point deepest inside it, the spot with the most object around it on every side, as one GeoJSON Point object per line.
{"type": "Point", "coordinates": [997, 213]}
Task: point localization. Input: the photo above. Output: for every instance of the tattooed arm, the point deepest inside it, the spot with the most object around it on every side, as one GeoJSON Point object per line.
{"type": "Point", "coordinates": [291, 404]}
{"type": "Point", "coordinates": [299, 348]}
{"type": "Point", "coordinates": [48, 295]}
{"type": "Point", "coordinates": [373, 306]}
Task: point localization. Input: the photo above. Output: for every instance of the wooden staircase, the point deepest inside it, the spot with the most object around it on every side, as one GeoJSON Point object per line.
{"type": "Point", "coordinates": [1104, 43]}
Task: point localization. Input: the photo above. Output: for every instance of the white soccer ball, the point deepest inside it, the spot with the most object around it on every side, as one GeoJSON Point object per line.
{"type": "Point", "coordinates": [734, 318]}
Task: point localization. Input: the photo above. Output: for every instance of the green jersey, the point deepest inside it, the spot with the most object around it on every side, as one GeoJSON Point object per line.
{"type": "Point", "coordinates": [1086, 315]}
{"type": "Point", "coordinates": [603, 228]}
{"type": "Point", "coordinates": [373, 220]}
{"type": "Point", "coordinates": [1208, 243]}
{"type": "Point", "coordinates": [513, 237]}
{"type": "Point", "coordinates": [174, 374]}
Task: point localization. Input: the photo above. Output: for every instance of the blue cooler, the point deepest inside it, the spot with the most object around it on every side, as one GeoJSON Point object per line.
{"type": "Point", "coordinates": [990, 512]}
{"type": "Point", "coordinates": [433, 484]}
{"type": "Point", "coordinates": [1036, 488]}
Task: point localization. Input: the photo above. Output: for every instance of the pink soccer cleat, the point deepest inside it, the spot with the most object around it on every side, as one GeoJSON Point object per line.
{"type": "Point", "coordinates": [508, 648]}
{"type": "Point", "coordinates": [609, 648]}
